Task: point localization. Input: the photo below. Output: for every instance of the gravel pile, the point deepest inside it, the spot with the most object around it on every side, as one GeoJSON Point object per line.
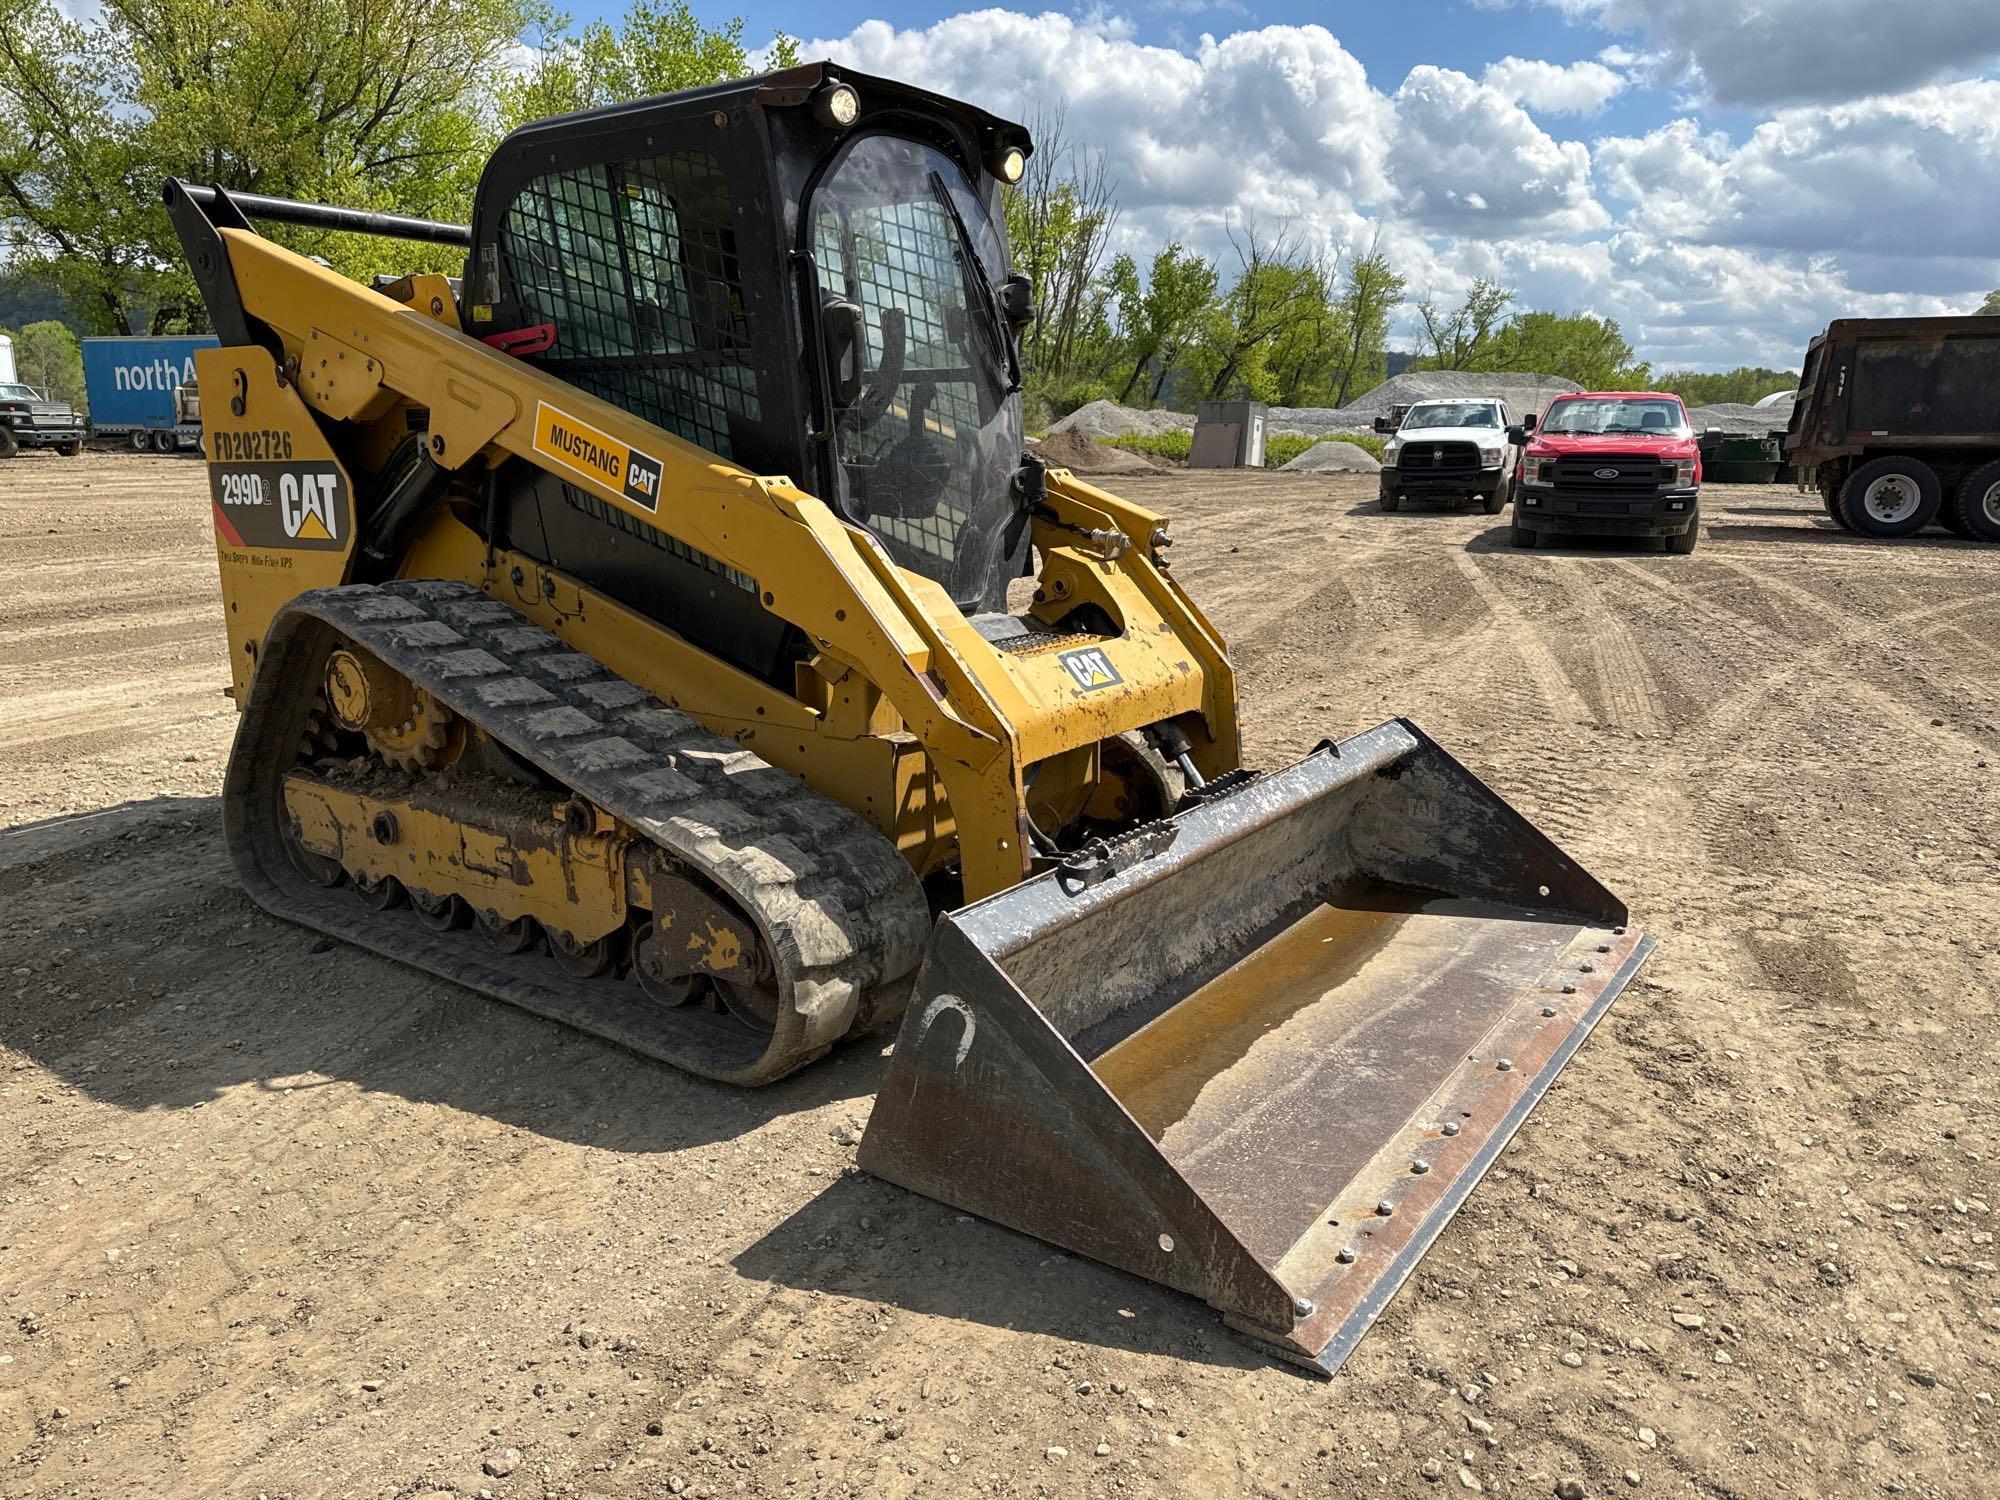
{"type": "Point", "coordinates": [1317, 421]}
{"type": "Point", "coordinates": [1523, 393]}
{"type": "Point", "coordinates": [1076, 452]}
{"type": "Point", "coordinates": [1334, 458]}
{"type": "Point", "coordinates": [1750, 421]}
{"type": "Point", "coordinates": [1107, 419]}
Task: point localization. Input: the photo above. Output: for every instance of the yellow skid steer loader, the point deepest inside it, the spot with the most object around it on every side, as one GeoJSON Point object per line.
{"type": "Point", "coordinates": [658, 626]}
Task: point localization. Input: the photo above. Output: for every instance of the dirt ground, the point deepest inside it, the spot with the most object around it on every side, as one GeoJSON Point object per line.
{"type": "Point", "coordinates": [279, 1218]}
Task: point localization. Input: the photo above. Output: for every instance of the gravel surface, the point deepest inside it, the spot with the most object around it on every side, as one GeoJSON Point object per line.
{"type": "Point", "coordinates": [282, 1218]}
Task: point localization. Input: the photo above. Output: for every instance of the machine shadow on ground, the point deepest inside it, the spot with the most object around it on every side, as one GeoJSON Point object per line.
{"type": "Point", "coordinates": [1414, 511]}
{"type": "Point", "coordinates": [1499, 538]}
{"type": "Point", "coordinates": [1827, 531]}
{"type": "Point", "coordinates": [924, 1257]}
{"type": "Point", "coordinates": [148, 887]}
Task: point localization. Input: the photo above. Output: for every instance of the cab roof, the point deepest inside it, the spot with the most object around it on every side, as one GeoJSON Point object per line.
{"type": "Point", "coordinates": [1615, 396]}
{"type": "Point", "coordinates": [788, 86]}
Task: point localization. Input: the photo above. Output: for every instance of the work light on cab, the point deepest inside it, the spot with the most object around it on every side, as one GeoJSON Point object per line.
{"type": "Point", "coordinates": [837, 107]}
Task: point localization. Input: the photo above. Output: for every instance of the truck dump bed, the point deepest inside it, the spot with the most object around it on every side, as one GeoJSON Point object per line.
{"type": "Point", "coordinates": [1907, 383]}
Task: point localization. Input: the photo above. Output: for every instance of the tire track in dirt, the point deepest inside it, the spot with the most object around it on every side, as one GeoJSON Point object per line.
{"type": "Point", "coordinates": [1559, 695]}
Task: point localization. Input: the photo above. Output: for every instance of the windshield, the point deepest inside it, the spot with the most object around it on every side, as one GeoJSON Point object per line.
{"type": "Point", "coordinates": [1633, 416]}
{"type": "Point", "coordinates": [929, 449]}
{"type": "Point", "coordinates": [1453, 414]}
{"type": "Point", "coordinates": [17, 393]}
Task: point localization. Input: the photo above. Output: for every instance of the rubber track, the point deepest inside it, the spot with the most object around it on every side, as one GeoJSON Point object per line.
{"type": "Point", "coordinates": [843, 916]}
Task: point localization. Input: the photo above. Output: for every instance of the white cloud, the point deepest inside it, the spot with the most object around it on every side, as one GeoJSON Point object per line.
{"type": "Point", "coordinates": [1759, 52]}
{"type": "Point", "coordinates": [1910, 176]}
{"type": "Point", "coordinates": [1279, 121]}
{"type": "Point", "coordinates": [1580, 88]}
{"type": "Point", "coordinates": [1464, 153]}
{"type": "Point", "coordinates": [1708, 250]}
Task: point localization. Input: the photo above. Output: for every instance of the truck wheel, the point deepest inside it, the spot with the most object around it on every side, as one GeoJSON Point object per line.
{"type": "Point", "coordinates": [1502, 493]}
{"type": "Point", "coordinates": [1891, 497]}
{"type": "Point", "coordinates": [1523, 536]}
{"type": "Point", "coordinates": [1682, 542]}
{"type": "Point", "coordinates": [165, 442]}
{"type": "Point", "coordinates": [9, 444]}
{"type": "Point", "coordinates": [1392, 502]}
{"type": "Point", "coordinates": [69, 450]}
{"type": "Point", "coordinates": [140, 439]}
{"type": "Point", "coordinates": [1977, 510]}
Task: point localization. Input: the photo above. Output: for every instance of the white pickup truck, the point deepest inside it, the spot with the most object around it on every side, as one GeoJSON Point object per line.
{"type": "Point", "coordinates": [1450, 450]}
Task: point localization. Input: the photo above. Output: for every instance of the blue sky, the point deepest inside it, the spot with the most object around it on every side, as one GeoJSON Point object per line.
{"type": "Point", "coordinates": [1721, 176]}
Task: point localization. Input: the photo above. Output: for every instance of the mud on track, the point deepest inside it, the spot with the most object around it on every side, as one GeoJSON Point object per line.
{"type": "Point", "coordinates": [280, 1218]}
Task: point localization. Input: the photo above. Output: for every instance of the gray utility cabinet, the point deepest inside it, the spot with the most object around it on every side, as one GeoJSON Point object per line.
{"type": "Point", "coordinates": [1228, 435]}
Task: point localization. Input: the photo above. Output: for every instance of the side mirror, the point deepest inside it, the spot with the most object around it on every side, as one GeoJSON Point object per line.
{"type": "Point", "coordinates": [1017, 301]}
{"type": "Point", "coordinates": [1386, 426]}
{"type": "Point", "coordinates": [1528, 422]}
{"type": "Point", "coordinates": [844, 334]}
{"type": "Point", "coordinates": [1518, 433]}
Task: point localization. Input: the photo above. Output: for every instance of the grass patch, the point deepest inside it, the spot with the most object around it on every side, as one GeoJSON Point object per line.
{"type": "Point", "coordinates": [1176, 443]}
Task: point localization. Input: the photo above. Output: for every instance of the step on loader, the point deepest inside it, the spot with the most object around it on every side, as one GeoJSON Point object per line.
{"type": "Point", "coordinates": [660, 626]}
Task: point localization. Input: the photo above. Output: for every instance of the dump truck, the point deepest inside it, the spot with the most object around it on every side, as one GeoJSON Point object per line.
{"type": "Point", "coordinates": [661, 629]}
{"type": "Point", "coordinates": [1897, 425]}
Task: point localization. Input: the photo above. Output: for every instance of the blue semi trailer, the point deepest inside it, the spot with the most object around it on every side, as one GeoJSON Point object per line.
{"type": "Point", "coordinates": [136, 390]}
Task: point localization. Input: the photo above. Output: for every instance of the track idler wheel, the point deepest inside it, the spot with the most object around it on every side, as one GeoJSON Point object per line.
{"type": "Point", "coordinates": [669, 988]}
{"type": "Point", "coordinates": [384, 893]}
{"type": "Point", "coordinates": [517, 936]}
{"type": "Point", "coordinates": [320, 869]}
{"type": "Point", "coordinates": [441, 913]}
{"type": "Point", "coordinates": [586, 960]}
{"type": "Point", "coordinates": [755, 1005]}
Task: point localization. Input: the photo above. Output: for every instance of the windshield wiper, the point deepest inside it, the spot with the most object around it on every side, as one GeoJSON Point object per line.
{"type": "Point", "coordinates": [996, 339]}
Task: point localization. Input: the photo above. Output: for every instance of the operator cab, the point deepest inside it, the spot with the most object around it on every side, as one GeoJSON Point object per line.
{"type": "Point", "coordinates": [804, 273]}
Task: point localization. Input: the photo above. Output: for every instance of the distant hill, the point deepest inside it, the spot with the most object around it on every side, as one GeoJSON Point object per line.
{"type": "Point", "coordinates": [26, 299]}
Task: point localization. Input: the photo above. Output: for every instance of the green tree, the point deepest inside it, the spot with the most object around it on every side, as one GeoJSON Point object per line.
{"type": "Point", "coordinates": [386, 104]}
{"type": "Point", "coordinates": [48, 357]}
{"type": "Point", "coordinates": [1577, 346]}
{"type": "Point", "coordinates": [656, 49]}
{"type": "Point", "coordinates": [1060, 219]}
{"type": "Point", "coordinates": [1458, 338]}
{"type": "Point", "coordinates": [1276, 288]}
{"type": "Point", "coordinates": [1991, 305]}
{"type": "Point", "coordinates": [375, 103]}
{"type": "Point", "coordinates": [1303, 355]}
{"type": "Point", "coordinates": [1372, 293]}
{"type": "Point", "coordinates": [1742, 384]}
{"type": "Point", "coordinates": [1168, 319]}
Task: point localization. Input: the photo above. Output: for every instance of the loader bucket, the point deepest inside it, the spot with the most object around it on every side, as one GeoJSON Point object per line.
{"type": "Point", "coordinates": [1266, 1062]}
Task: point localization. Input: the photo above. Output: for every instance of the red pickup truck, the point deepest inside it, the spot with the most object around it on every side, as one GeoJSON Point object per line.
{"type": "Point", "coordinates": [1615, 463]}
